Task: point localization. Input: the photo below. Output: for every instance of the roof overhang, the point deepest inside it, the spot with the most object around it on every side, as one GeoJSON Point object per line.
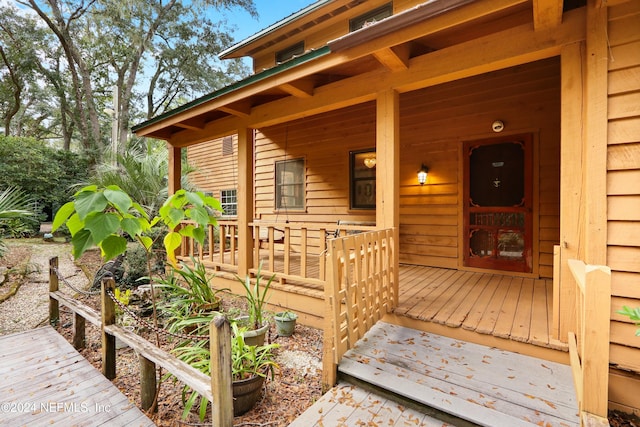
{"type": "Point", "coordinates": [387, 46]}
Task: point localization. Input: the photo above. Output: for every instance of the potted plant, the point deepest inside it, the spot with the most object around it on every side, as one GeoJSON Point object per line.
{"type": "Point", "coordinates": [188, 296]}
{"type": "Point", "coordinates": [250, 365]}
{"type": "Point", "coordinates": [285, 323]}
{"type": "Point", "coordinates": [256, 297]}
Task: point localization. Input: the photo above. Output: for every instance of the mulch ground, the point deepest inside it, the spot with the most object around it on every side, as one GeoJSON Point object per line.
{"type": "Point", "coordinates": [295, 387]}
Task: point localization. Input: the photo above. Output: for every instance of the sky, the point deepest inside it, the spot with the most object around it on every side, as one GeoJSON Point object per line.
{"type": "Point", "coordinates": [269, 12]}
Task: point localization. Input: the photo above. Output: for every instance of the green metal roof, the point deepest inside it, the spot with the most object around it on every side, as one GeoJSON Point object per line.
{"type": "Point", "coordinates": [306, 57]}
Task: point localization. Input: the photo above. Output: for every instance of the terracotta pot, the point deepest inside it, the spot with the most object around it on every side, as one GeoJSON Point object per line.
{"type": "Point", "coordinates": [246, 393]}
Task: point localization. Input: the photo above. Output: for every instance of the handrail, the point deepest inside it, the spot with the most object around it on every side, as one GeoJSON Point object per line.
{"type": "Point", "coordinates": [361, 288]}
{"type": "Point", "coordinates": [589, 345]}
{"type": "Point", "coordinates": [150, 354]}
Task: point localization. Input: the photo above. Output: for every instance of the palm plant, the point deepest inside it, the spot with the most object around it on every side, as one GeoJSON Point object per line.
{"type": "Point", "coordinates": [14, 204]}
{"type": "Point", "coordinates": [141, 172]}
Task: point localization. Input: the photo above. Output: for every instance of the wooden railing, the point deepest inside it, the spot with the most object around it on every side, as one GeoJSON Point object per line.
{"type": "Point", "coordinates": [220, 248]}
{"type": "Point", "coordinates": [589, 345]}
{"type": "Point", "coordinates": [361, 288]}
{"type": "Point", "coordinates": [292, 252]}
{"type": "Point", "coordinates": [149, 354]}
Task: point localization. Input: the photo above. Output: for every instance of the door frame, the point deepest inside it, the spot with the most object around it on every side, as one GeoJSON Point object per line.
{"type": "Point", "coordinates": [531, 160]}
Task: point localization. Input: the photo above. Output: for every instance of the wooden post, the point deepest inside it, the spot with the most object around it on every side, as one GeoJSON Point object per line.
{"type": "Point", "coordinates": [54, 306]}
{"type": "Point", "coordinates": [148, 384]}
{"type": "Point", "coordinates": [596, 332]}
{"type": "Point", "coordinates": [108, 340]}
{"type": "Point", "coordinates": [245, 202]}
{"type": "Point", "coordinates": [78, 331]}
{"type": "Point", "coordinates": [221, 388]}
{"type": "Point", "coordinates": [329, 342]}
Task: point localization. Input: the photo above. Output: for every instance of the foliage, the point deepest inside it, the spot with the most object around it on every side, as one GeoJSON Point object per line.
{"type": "Point", "coordinates": [105, 217]}
{"type": "Point", "coordinates": [154, 52]}
{"type": "Point", "coordinates": [46, 173]}
{"type": "Point", "coordinates": [256, 296]}
{"type": "Point", "coordinates": [14, 205]}
{"type": "Point", "coordinates": [250, 360]}
{"type": "Point", "coordinates": [286, 315]}
{"type": "Point", "coordinates": [246, 361]}
{"type": "Point", "coordinates": [633, 314]}
{"type": "Point", "coordinates": [141, 172]}
{"type": "Point", "coordinates": [188, 297]}
{"type": "Point", "coordinates": [123, 297]}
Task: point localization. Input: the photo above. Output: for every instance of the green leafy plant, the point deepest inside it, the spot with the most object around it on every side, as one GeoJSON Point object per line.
{"type": "Point", "coordinates": [246, 361]}
{"type": "Point", "coordinates": [286, 315]}
{"type": "Point", "coordinates": [105, 217]}
{"type": "Point", "coordinates": [633, 314]}
{"type": "Point", "coordinates": [256, 296]}
{"type": "Point", "coordinates": [250, 360]}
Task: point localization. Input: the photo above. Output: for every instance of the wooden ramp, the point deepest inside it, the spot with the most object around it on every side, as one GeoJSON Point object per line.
{"type": "Point", "coordinates": [45, 381]}
{"type": "Point", "coordinates": [478, 384]}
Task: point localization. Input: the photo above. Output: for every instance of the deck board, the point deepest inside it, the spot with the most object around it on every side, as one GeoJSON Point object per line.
{"type": "Point", "coordinates": [51, 383]}
{"type": "Point", "coordinates": [481, 384]}
{"type": "Point", "coordinates": [504, 306]}
{"type": "Point", "coordinates": [347, 405]}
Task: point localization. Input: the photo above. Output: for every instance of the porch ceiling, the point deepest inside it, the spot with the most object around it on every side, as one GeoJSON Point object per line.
{"type": "Point", "coordinates": [378, 50]}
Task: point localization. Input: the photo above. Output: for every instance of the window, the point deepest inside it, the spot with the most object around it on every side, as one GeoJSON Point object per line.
{"type": "Point", "coordinates": [363, 179]}
{"type": "Point", "coordinates": [290, 184]}
{"type": "Point", "coordinates": [229, 202]}
{"type": "Point", "coordinates": [370, 17]}
{"type": "Point", "coordinates": [289, 52]}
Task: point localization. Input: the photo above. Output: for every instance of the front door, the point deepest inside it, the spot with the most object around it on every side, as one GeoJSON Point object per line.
{"type": "Point", "coordinates": [497, 208]}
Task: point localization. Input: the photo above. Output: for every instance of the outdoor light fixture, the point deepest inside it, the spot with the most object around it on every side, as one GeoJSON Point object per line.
{"type": "Point", "coordinates": [370, 162]}
{"type": "Point", "coordinates": [422, 174]}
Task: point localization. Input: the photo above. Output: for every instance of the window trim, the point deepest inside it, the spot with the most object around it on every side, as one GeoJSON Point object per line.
{"type": "Point", "coordinates": [278, 185]}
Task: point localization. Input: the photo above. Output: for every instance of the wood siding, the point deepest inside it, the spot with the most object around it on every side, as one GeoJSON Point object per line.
{"type": "Point", "coordinates": [434, 123]}
{"type": "Point", "coordinates": [623, 192]}
{"type": "Point", "coordinates": [215, 168]}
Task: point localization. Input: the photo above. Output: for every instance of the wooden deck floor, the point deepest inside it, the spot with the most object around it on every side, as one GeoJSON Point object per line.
{"type": "Point", "coordinates": [513, 308]}
{"type": "Point", "coordinates": [45, 381]}
{"type": "Point", "coordinates": [479, 384]}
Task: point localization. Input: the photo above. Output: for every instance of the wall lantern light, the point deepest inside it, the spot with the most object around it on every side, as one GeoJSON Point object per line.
{"type": "Point", "coordinates": [370, 162]}
{"type": "Point", "coordinates": [422, 174]}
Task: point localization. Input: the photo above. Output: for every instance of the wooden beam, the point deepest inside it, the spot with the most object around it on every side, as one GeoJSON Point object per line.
{"type": "Point", "coordinates": [394, 58]}
{"type": "Point", "coordinates": [388, 167]}
{"type": "Point", "coordinates": [301, 88]}
{"type": "Point", "coordinates": [197, 123]}
{"type": "Point", "coordinates": [245, 200]}
{"type": "Point", "coordinates": [240, 108]}
{"type": "Point", "coordinates": [595, 150]}
{"type": "Point", "coordinates": [546, 14]}
{"type": "Point", "coordinates": [175, 169]}
{"type": "Point", "coordinates": [572, 73]}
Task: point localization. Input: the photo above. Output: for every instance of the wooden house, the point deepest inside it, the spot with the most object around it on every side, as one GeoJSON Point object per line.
{"type": "Point", "coordinates": [497, 141]}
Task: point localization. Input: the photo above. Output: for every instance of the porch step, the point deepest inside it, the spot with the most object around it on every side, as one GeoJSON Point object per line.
{"type": "Point", "coordinates": [483, 385]}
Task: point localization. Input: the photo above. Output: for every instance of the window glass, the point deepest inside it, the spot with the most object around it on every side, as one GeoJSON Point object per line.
{"type": "Point", "coordinates": [290, 184]}
{"type": "Point", "coordinates": [229, 201]}
{"type": "Point", "coordinates": [289, 52]}
{"type": "Point", "coordinates": [363, 179]}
